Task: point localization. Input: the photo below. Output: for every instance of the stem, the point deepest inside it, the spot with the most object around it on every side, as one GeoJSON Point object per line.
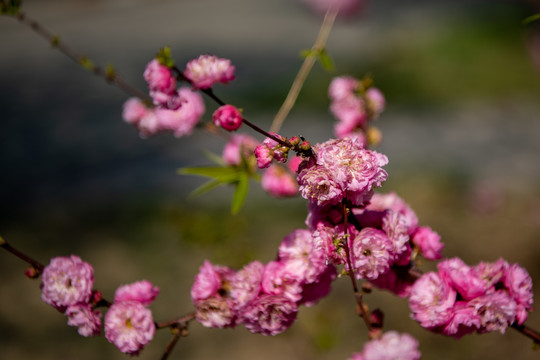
{"type": "Point", "coordinates": [305, 69]}
{"type": "Point", "coordinates": [357, 294]}
{"type": "Point", "coordinates": [179, 327]}
{"type": "Point", "coordinates": [35, 264]}
{"type": "Point", "coordinates": [107, 74]}
{"type": "Point", "coordinates": [527, 331]}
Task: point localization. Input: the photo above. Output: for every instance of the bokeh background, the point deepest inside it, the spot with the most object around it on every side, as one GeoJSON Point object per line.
{"type": "Point", "coordinates": [461, 130]}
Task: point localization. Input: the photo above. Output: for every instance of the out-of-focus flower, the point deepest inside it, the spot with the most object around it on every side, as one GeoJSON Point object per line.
{"type": "Point", "coordinates": [207, 70]}
{"type": "Point", "coordinates": [228, 117]}
{"type": "Point", "coordinates": [88, 320]}
{"type": "Point", "coordinates": [142, 291]}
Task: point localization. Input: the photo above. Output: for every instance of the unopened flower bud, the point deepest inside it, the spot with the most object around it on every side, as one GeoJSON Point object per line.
{"type": "Point", "coordinates": [295, 140]}
{"type": "Point", "coordinates": [31, 273]}
{"type": "Point", "coordinates": [264, 156]}
{"type": "Point", "coordinates": [228, 117]}
{"type": "Point", "coordinates": [305, 145]}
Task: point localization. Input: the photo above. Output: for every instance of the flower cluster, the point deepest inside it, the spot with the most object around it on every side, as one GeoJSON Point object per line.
{"type": "Point", "coordinates": [343, 172]}
{"type": "Point", "coordinates": [391, 346]}
{"type": "Point", "coordinates": [67, 285]}
{"type": "Point", "coordinates": [459, 299]}
{"type": "Point", "coordinates": [207, 70]}
{"type": "Point", "coordinates": [354, 104]}
{"type": "Point", "coordinates": [129, 324]}
{"type": "Point", "coordinates": [264, 298]}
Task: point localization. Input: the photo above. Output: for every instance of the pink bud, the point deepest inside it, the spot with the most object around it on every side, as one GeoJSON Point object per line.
{"type": "Point", "coordinates": [264, 156]}
{"type": "Point", "coordinates": [228, 117]}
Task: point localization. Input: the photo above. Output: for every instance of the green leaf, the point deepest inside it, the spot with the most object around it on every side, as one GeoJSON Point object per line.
{"type": "Point", "coordinates": [531, 18]}
{"type": "Point", "coordinates": [308, 52]}
{"type": "Point", "coordinates": [214, 158]}
{"type": "Point", "coordinates": [206, 187]}
{"type": "Point", "coordinates": [164, 57]}
{"type": "Point", "coordinates": [240, 193]}
{"type": "Point", "coordinates": [86, 63]}
{"type": "Point", "coordinates": [224, 174]}
{"type": "Point", "coordinates": [326, 61]}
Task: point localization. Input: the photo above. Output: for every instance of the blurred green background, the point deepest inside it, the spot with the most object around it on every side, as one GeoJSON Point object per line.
{"type": "Point", "coordinates": [461, 130]}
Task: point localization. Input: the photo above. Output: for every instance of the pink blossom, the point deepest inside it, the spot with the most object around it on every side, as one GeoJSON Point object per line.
{"type": "Point", "coordinates": [379, 204]}
{"type": "Point", "coordinates": [141, 291]}
{"type": "Point", "coordinates": [161, 81]}
{"type": "Point", "coordinates": [228, 117]}
{"type": "Point", "coordinates": [303, 261]}
{"type": "Point", "coordinates": [491, 273]}
{"type": "Point", "coordinates": [370, 253]}
{"type": "Point", "coordinates": [245, 285]}
{"type": "Point", "coordinates": [264, 156]}
{"type": "Point", "coordinates": [129, 326]}
{"type": "Point", "coordinates": [207, 70]}
{"type": "Point", "coordinates": [328, 215]}
{"type": "Point", "coordinates": [330, 239]}
{"type": "Point", "coordinates": [391, 346]}
{"type": "Point", "coordinates": [210, 280]}
{"type": "Point", "coordinates": [279, 152]}
{"type": "Point", "coordinates": [342, 87]}
{"type": "Point", "coordinates": [85, 318]}
{"type": "Point", "coordinates": [317, 185]}
{"type": "Point", "coordinates": [67, 281]}
{"type": "Point", "coordinates": [240, 146]}
{"type": "Point", "coordinates": [134, 110]}
{"type": "Point", "coordinates": [149, 124]}
{"type": "Point", "coordinates": [182, 120]}
{"type": "Point", "coordinates": [294, 163]}
{"type": "Point", "coordinates": [350, 111]}
{"type": "Point", "coordinates": [277, 280]}
{"type": "Point", "coordinates": [432, 300]}
{"type": "Point", "coordinates": [375, 102]}
{"type": "Point", "coordinates": [313, 292]}
{"type": "Point", "coordinates": [269, 314]}
{"type": "Point", "coordinates": [396, 280]}
{"type": "Point", "coordinates": [429, 242]}
{"type": "Point", "coordinates": [497, 311]}
{"type": "Point", "coordinates": [465, 320]}
{"type": "Point", "coordinates": [215, 312]}
{"type": "Point", "coordinates": [278, 182]}
{"type": "Point", "coordinates": [462, 278]}
{"type": "Point", "coordinates": [519, 284]}
{"type": "Point", "coordinates": [395, 226]}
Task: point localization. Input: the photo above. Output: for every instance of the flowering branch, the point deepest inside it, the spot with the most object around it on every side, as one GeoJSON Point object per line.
{"type": "Point", "coordinates": [306, 67]}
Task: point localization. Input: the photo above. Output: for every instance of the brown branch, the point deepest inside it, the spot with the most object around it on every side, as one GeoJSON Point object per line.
{"type": "Point", "coordinates": [528, 332]}
{"type": "Point", "coordinates": [108, 74]}
{"type": "Point", "coordinates": [179, 328]}
{"type": "Point", "coordinates": [35, 264]}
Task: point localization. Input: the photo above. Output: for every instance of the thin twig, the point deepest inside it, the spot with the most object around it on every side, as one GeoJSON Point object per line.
{"type": "Point", "coordinates": [305, 69]}
{"type": "Point", "coordinates": [108, 74]}
{"type": "Point", "coordinates": [35, 264]}
{"type": "Point", "coordinates": [527, 331]}
{"type": "Point", "coordinates": [179, 328]}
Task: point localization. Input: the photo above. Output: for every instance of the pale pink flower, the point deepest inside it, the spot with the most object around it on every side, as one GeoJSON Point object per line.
{"type": "Point", "coordinates": [303, 261]}
{"type": "Point", "coordinates": [129, 326]}
{"type": "Point", "coordinates": [142, 291]}
{"type": "Point", "coordinates": [330, 239]}
{"type": "Point", "coordinates": [371, 253]}
{"type": "Point", "coordinates": [465, 320]}
{"type": "Point", "coordinates": [85, 318]}
{"type": "Point", "coordinates": [228, 117]}
{"type": "Point", "coordinates": [278, 182]}
{"type": "Point", "coordinates": [149, 124]}
{"type": "Point", "coordinates": [351, 111]}
{"type": "Point", "coordinates": [497, 311]}
{"type": "Point", "coordinates": [391, 346]}
{"type": "Point", "coordinates": [432, 300]}
{"type": "Point", "coordinates": [207, 70]}
{"type": "Point", "coordinates": [182, 120]}
{"type": "Point", "coordinates": [342, 87]}
{"type": "Point", "coordinates": [264, 156]}
{"type": "Point", "coordinates": [317, 185]}
{"type": "Point", "coordinates": [134, 110]}
{"type": "Point", "coordinates": [395, 226]}
{"type": "Point", "coordinates": [215, 312]}
{"type": "Point", "coordinates": [429, 242]}
{"type": "Point", "coordinates": [269, 314]}
{"type": "Point", "coordinates": [240, 146]}
{"type": "Point", "coordinates": [67, 281]}
{"type": "Point", "coordinates": [245, 285]}
{"type": "Point", "coordinates": [491, 273]}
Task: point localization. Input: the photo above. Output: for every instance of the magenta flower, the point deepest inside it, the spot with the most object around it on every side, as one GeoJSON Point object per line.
{"type": "Point", "coordinates": [391, 346]}
{"type": "Point", "coordinates": [303, 261]}
{"type": "Point", "coordinates": [429, 242]}
{"type": "Point", "coordinates": [129, 326]}
{"type": "Point", "coordinates": [207, 70]}
{"type": "Point", "coordinates": [182, 120]}
{"type": "Point", "coordinates": [264, 156]}
{"type": "Point", "coordinates": [67, 281]}
{"type": "Point", "coordinates": [141, 291]}
{"type": "Point", "coordinates": [228, 117]}
{"type": "Point", "coordinates": [269, 314]}
{"type": "Point", "coordinates": [276, 280]}
{"type": "Point", "coordinates": [519, 284]}
{"type": "Point", "coordinates": [313, 292]}
{"type": "Point", "coordinates": [210, 280]}
{"type": "Point", "coordinates": [161, 82]}
{"type": "Point", "coordinates": [497, 311]}
{"type": "Point", "coordinates": [85, 318]}
{"type": "Point", "coordinates": [278, 182]}
{"type": "Point", "coordinates": [462, 278]}
{"type": "Point", "coordinates": [245, 285]}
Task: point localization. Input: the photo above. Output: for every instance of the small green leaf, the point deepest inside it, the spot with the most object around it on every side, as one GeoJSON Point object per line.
{"type": "Point", "coordinates": [224, 174]}
{"type": "Point", "coordinates": [86, 63]}
{"type": "Point", "coordinates": [326, 61]}
{"type": "Point", "coordinates": [240, 193]}
{"type": "Point", "coordinates": [531, 18]}
{"type": "Point", "coordinates": [164, 57]}
{"type": "Point", "coordinates": [214, 158]}
{"type": "Point", "coordinates": [110, 72]}
{"type": "Point", "coordinates": [308, 52]}
{"type": "Point", "coordinates": [206, 187]}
